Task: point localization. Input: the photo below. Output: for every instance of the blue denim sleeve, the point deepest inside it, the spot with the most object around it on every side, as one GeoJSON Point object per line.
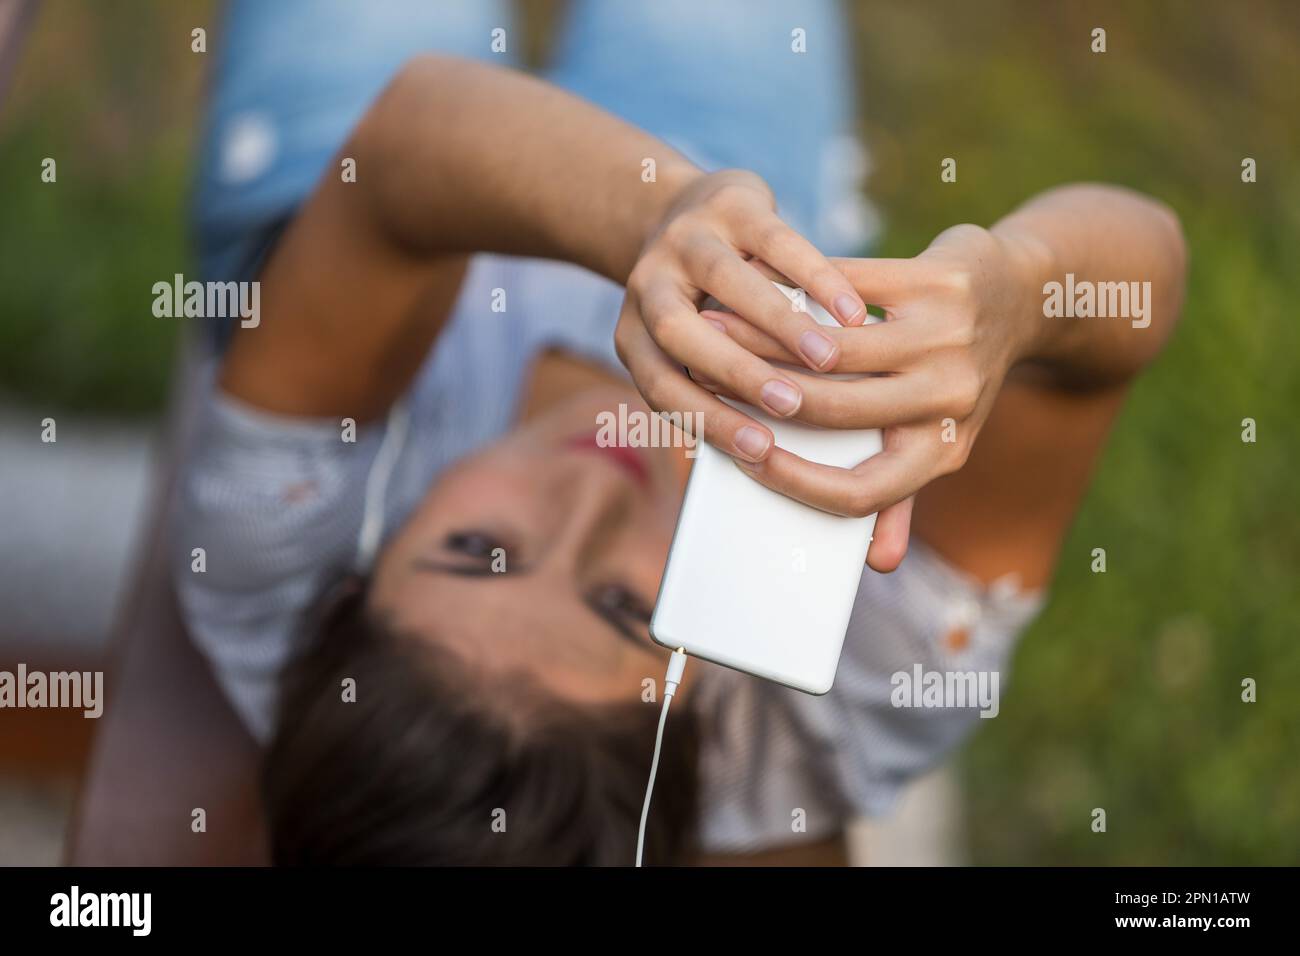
{"type": "Point", "coordinates": [291, 79]}
{"type": "Point", "coordinates": [764, 85]}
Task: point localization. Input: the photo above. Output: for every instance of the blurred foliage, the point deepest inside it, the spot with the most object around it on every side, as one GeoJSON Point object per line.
{"type": "Point", "coordinates": [1126, 693]}
{"type": "Point", "coordinates": [111, 92]}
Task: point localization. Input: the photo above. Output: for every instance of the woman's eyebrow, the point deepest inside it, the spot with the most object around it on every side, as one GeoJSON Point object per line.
{"type": "Point", "coordinates": [619, 625]}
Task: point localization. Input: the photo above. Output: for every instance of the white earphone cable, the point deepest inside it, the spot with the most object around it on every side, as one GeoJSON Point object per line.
{"type": "Point", "coordinates": [676, 666]}
{"type": "Point", "coordinates": [381, 471]}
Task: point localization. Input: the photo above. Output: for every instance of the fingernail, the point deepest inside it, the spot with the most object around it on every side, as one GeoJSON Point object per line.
{"type": "Point", "coordinates": [717, 325]}
{"type": "Point", "coordinates": [848, 308]}
{"type": "Point", "coordinates": [752, 442]}
{"type": "Point", "coordinates": [817, 348]}
{"type": "Point", "coordinates": [781, 397]}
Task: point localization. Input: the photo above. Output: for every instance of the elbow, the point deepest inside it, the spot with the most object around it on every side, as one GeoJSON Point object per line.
{"type": "Point", "coordinates": [406, 145]}
{"type": "Point", "coordinates": [1172, 268]}
{"type": "Point", "coordinates": [1173, 240]}
{"type": "Point", "coordinates": [397, 151]}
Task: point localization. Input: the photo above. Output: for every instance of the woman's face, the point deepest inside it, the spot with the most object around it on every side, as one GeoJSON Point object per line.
{"type": "Point", "coordinates": [582, 533]}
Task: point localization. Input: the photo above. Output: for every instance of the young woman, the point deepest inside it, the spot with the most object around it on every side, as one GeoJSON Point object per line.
{"type": "Point", "coordinates": [439, 629]}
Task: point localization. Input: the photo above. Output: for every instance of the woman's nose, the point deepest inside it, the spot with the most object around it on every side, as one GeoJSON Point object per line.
{"type": "Point", "coordinates": [592, 504]}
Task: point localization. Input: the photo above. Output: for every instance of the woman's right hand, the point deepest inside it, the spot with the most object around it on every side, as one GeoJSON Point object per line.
{"type": "Point", "coordinates": [709, 245]}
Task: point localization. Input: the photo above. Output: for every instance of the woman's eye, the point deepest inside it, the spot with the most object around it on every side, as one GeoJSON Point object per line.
{"type": "Point", "coordinates": [620, 600]}
{"type": "Point", "coordinates": [474, 544]}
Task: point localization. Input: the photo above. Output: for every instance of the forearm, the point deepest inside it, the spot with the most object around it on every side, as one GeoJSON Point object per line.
{"type": "Point", "coordinates": [1100, 235]}
{"type": "Point", "coordinates": [453, 158]}
{"type": "Point", "coordinates": [458, 157]}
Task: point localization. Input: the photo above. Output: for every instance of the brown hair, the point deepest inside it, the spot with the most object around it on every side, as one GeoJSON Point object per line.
{"type": "Point", "coordinates": [418, 769]}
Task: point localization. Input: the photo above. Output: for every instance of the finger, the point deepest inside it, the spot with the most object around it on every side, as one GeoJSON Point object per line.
{"type": "Point", "coordinates": [890, 537]}
{"type": "Point", "coordinates": [877, 401]}
{"type": "Point", "coordinates": [875, 347]}
{"type": "Point", "coordinates": [884, 346]}
{"type": "Point", "coordinates": [927, 393]}
{"type": "Point", "coordinates": [749, 337]}
{"type": "Point", "coordinates": [791, 254]}
{"type": "Point", "coordinates": [701, 381]}
{"type": "Point", "coordinates": [719, 390]}
{"type": "Point", "coordinates": [896, 473]}
{"type": "Point", "coordinates": [886, 282]}
{"type": "Point", "coordinates": [718, 271]}
{"type": "Point", "coordinates": [930, 390]}
{"type": "Point", "coordinates": [771, 273]}
{"type": "Point", "coordinates": [666, 388]}
{"type": "Point", "coordinates": [678, 330]}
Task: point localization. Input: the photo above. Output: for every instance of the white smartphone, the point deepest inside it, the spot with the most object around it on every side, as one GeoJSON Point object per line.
{"type": "Point", "coordinates": [757, 581]}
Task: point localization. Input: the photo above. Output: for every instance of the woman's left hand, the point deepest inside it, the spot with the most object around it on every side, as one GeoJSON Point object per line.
{"type": "Point", "coordinates": [959, 315]}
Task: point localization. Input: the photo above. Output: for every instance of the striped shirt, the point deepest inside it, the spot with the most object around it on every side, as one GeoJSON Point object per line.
{"type": "Point", "coordinates": [278, 506]}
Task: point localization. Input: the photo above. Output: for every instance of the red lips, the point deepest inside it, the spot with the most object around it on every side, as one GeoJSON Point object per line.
{"type": "Point", "coordinates": [628, 459]}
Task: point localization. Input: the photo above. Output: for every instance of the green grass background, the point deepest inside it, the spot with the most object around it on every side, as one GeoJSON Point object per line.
{"type": "Point", "coordinates": [1126, 693]}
